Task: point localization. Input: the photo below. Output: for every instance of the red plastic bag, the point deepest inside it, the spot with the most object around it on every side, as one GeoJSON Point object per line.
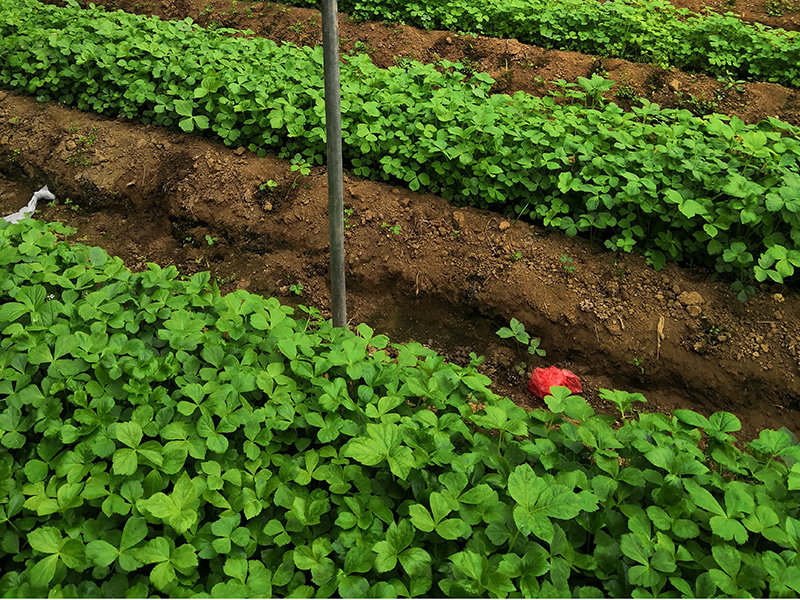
{"type": "Point", "coordinates": [543, 379]}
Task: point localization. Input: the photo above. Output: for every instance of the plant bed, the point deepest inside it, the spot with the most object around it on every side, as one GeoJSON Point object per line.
{"type": "Point", "coordinates": [513, 65]}
{"type": "Point", "coordinates": [160, 438]}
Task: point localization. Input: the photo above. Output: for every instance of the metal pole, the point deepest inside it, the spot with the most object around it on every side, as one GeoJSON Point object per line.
{"type": "Point", "coordinates": [333, 132]}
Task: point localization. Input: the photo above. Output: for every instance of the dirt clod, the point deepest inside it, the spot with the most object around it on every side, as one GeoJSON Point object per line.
{"type": "Point", "coordinates": [690, 298]}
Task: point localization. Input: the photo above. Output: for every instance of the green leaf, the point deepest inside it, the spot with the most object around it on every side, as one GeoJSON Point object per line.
{"type": "Point", "coordinates": [129, 433]}
{"type": "Point", "coordinates": [451, 529]}
{"type": "Point", "coordinates": [421, 518]}
{"type": "Point", "coordinates": [101, 553]}
{"type": "Point", "coordinates": [42, 573]}
{"type": "Point", "coordinates": [125, 462]}
{"type": "Point", "coordinates": [46, 540]}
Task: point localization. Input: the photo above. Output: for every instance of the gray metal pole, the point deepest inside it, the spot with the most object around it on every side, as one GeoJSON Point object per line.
{"type": "Point", "coordinates": [333, 131]}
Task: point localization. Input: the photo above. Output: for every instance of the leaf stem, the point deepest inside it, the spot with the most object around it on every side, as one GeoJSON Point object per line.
{"type": "Point", "coordinates": [513, 541]}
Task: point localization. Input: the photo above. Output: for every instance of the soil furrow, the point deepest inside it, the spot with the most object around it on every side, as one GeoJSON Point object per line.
{"type": "Point", "coordinates": [417, 267]}
{"type": "Point", "coordinates": [514, 66]}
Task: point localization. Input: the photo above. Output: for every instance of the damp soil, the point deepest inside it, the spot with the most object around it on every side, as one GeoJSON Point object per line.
{"type": "Point", "coordinates": [418, 268]}
{"type": "Point", "coordinates": [513, 65]}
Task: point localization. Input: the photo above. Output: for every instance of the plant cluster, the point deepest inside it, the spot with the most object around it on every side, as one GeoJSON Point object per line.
{"type": "Point", "coordinates": [159, 438]}
{"type": "Point", "coordinates": [652, 31]}
{"type": "Point", "coordinates": [712, 190]}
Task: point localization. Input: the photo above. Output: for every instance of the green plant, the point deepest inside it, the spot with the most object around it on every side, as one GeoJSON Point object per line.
{"type": "Point", "coordinates": [298, 27]}
{"type": "Point", "coordinates": [296, 289]}
{"type": "Point", "coordinates": [348, 212]}
{"type": "Point", "coordinates": [211, 240]}
{"type": "Point", "coordinates": [68, 202]}
{"type": "Point", "coordinates": [638, 364]}
{"type": "Point", "coordinates": [515, 256]}
{"type": "Point", "coordinates": [83, 143]}
{"type": "Point", "coordinates": [566, 263]}
{"type": "Point", "coordinates": [162, 439]}
{"type": "Point", "coordinates": [622, 401]}
{"type": "Point", "coordinates": [392, 229]}
{"type": "Point", "coordinates": [625, 90]}
{"type": "Point", "coordinates": [652, 31]}
{"type": "Point", "coordinates": [777, 8]}
{"type": "Point", "coordinates": [268, 185]}
{"type": "Point", "coordinates": [301, 166]}
{"type": "Point", "coordinates": [516, 330]}
{"type": "Point", "coordinates": [361, 46]}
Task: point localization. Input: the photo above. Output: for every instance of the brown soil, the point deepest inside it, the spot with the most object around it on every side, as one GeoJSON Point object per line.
{"type": "Point", "coordinates": [513, 65]}
{"type": "Point", "coordinates": [448, 277]}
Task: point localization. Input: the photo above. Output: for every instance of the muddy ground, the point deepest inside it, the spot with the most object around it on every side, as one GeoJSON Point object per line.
{"type": "Point", "coordinates": [513, 65]}
{"type": "Point", "coordinates": [417, 267]}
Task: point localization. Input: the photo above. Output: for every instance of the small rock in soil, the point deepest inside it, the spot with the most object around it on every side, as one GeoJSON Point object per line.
{"type": "Point", "coordinates": [690, 298]}
{"type": "Point", "coordinates": [504, 225]}
{"type": "Point", "coordinates": [239, 151]}
{"type": "Point", "coordinates": [694, 310]}
{"type": "Point", "coordinates": [675, 85]}
{"type": "Point", "coordinates": [614, 328]}
{"type": "Point", "coordinates": [700, 347]}
{"type": "Point", "coordinates": [459, 221]}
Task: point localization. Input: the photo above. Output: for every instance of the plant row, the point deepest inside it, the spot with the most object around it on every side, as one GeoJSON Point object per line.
{"type": "Point", "coordinates": [157, 438]}
{"type": "Point", "coordinates": [638, 30]}
{"type": "Point", "coordinates": [711, 191]}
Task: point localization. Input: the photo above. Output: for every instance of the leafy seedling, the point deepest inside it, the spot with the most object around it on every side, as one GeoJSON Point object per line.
{"type": "Point", "coordinates": [516, 330]}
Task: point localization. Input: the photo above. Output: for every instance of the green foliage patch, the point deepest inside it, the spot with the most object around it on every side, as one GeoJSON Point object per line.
{"type": "Point", "coordinates": [638, 30]}
{"type": "Point", "coordinates": [157, 438]}
{"type": "Point", "coordinates": [711, 191]}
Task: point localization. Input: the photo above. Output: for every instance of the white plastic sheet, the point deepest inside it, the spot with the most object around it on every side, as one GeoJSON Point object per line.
{"type": "Point", "coordinates": [27, 211]}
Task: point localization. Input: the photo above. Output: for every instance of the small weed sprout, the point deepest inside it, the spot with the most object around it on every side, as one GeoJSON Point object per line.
{"type": "Point", "coordinates": [516, 330]}
{"type": "Point", "coordinates": [269, 184]}
{"type": "Point", "coordinates": [638, 363]}
{"type": "Point", "coordinates": [211, 240]}
{"type": "Point", "coordinates": [301, 166]}
{"type": "Point", "coordinates": [348, 212]}
{"type": "Point", "coordinates": [566, 262]}
{"type": "Point", "coordinates": [296, 289]}
{"type": "Point", "coordinates": [393, 229]}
